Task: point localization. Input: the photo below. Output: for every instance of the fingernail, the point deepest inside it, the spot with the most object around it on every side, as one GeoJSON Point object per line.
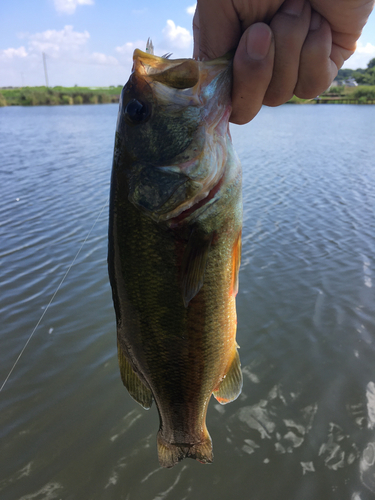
{"type": "Point", "coordinates": [259, 37]}
{"type": "Point", "coordinates": [316, 21]}
{"type": "Point", "coordinates": [293, 7]}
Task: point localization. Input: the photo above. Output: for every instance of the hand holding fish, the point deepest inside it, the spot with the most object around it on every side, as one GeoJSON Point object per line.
{"type": "Point", "coordinates": [282, 47]}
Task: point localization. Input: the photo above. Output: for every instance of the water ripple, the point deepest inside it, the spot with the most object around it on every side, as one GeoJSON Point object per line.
{"type": "Point", "coordinates": [305, 316]}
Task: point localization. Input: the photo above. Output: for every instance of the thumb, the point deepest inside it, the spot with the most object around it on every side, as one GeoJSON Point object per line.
{"type": "Point", "coordinates": [252, 72]}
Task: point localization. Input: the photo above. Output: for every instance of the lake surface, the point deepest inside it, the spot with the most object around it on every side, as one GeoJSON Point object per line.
{"type": "Point", "coordinates": [304, 426]}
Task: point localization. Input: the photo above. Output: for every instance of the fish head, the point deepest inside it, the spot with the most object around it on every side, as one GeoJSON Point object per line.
{"type": "Point", "coordinates": [171, 131]}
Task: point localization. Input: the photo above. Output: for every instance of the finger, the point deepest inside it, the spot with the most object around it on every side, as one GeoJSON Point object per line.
{"type": "Point", "coordinates": [346, 19]}
{"type": "Point", "coordinates": [339, 54]}
{"type": "Point", "coordinates": [317, 70]}
{"type": "Point", "coordinates": [252, 72]}
{"type": "Point", "coordinates": [345, 16]}
{"type": "Point", "coordinates": [219, 29]}
{"type": "Point", "coordinates": [343, 46]}
{"type": "Point", "coordinates": [289, 27]}
{"type": "Point", "coordinates": [196, 33]}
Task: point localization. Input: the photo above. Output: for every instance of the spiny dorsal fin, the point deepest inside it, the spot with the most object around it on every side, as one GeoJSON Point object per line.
{"type": "Point", "coordinates": [150, 47]}
{"type": "Point", "coordinates": [132, 382]}
{"type": "Point", "coordinates": [231, 385]}
{"type": "Point", "coordinates": [194, 265]}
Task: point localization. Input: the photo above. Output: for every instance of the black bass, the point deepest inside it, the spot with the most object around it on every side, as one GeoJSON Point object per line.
{"type": "Point", "coordinates": [175, 246]}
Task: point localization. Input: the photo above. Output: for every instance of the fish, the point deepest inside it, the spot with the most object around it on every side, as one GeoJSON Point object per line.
{"type": "Point", "coordinates": [174, 245]}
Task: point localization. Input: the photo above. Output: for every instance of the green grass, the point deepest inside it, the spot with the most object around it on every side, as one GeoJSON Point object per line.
{"type": "Point", "coordinates": [363, 94]}
{"type": "Point", "coordinates": [39, 96]}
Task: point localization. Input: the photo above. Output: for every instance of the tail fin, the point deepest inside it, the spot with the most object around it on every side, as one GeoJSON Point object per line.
{"type": "Point", "coordinates": [170, 454]}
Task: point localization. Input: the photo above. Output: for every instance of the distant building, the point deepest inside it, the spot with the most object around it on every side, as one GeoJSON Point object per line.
{"type": "Point", "coordinates": [349, 82]}
{"type": "Point", "coordinates": [336, 83]}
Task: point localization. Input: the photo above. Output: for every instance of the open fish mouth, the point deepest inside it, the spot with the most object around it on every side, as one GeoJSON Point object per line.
{"type": "Point", "coordinates": [183, 175]}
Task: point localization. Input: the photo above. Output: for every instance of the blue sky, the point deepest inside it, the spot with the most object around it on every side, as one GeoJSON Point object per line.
{"type": "Point", "coordinates": [90, 42]}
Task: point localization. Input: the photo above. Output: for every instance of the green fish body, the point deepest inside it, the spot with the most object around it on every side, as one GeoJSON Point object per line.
{"type": "Point", "coordinates": [175, 245]}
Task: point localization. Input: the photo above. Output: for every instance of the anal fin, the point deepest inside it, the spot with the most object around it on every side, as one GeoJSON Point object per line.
{"type": "Point", "coordinates": [231, 385]}
{"type": "Point", "coordinates": [136, 388]}
{"type": "Point", "coordinates": [194, 265]}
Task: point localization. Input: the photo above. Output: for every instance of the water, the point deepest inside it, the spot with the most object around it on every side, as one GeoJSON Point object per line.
{"type": "Point", "coordinates": [304, 426]}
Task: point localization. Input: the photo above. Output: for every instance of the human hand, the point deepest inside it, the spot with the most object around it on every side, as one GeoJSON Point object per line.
{"type": "Point", "coordinates": [282, 47]}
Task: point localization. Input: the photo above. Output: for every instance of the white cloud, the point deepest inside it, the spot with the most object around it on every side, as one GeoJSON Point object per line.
{"type": "Point", "coordinates": [55, 43]}
{"type": "Point", "coordinates": [13, 53]}
{"type": "Point", "coordinates": [176, 36]}
{"type": "Point", "coordinates": [125, 52]}
{"type": "Point", "coordinates": [69, 61]}
{"type": "Point", "coordinates": [191, 10]}
{"type": "Point", "coordinates": [98, 58]}
{"type": "Point", "coordinates": [129, 47]}
{"type": "Point", "coordinates": [361, 57]}
{"type": "Point", "coordinates": [69, 6]}
{"type": "Point", "coordinates": [66, 43]}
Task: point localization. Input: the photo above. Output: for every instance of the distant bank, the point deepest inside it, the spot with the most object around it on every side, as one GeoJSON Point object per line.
{"type": "Point", "coordinates": [361, 94]}
{"type": "Point", "coordinates": [47, 96]}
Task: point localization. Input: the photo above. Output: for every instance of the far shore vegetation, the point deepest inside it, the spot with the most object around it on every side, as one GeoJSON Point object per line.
{"type": "Point", "coordinates": [361, 76]}
{"type": "Point", "coordinates": [343, 91]}
{"type": "Point", "coordinates": [46, 96]}
{"type": "Point", "coordinates": [340, 92]}
{"type": "Point", "coordinates": [363, 94]}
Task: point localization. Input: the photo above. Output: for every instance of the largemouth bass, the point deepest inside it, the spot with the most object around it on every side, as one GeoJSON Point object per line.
{"type": "Point", "coordinates": [175, 246]}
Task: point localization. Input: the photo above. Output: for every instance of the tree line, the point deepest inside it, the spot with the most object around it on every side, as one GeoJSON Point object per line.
{"type": "Point", "coordinates": [39, 96]}
{"type": "Point", "coordinates": [361, 76]}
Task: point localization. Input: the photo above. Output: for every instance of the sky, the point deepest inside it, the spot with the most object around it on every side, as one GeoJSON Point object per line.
{"type": "Point", "coordinates": [91, 42]}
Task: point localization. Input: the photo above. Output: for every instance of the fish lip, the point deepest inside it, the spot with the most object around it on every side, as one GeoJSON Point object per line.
{"type": "Point", "coordinates": [148, 67]}
{"type": "Point", "coordinates": [147, 63]}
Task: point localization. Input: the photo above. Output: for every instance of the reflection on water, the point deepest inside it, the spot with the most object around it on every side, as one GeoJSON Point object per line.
{"type": "Point", "coordinates": [366, 464]}
{"type": "Point", "coordinates": [304, 426]}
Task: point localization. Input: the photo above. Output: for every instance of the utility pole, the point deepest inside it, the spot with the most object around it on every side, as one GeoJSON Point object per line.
{"type": "Point", "coordinates": [45, 68]}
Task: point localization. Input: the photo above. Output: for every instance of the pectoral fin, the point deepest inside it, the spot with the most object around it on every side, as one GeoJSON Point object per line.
{"type": "Point", "coordinates": [194, 265]}
{"type": "Point", "coordinates": [136, 388]}
{"type": "Point", "coordinates": [231, 385]}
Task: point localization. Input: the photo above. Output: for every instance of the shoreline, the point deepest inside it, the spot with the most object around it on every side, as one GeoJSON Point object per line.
{"type": "Point", "coordinates": [46, 96]}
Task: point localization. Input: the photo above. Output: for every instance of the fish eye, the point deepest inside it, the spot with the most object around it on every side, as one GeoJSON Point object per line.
{"type": "Point", "coordinates": [136, 112]}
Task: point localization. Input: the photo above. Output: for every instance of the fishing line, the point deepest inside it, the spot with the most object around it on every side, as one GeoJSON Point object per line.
{"type": "Point", "coordinates": [53, 296]}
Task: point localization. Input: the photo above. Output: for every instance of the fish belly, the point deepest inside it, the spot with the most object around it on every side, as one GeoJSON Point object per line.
{"type": "Point", "coordinates": [175, 353]}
